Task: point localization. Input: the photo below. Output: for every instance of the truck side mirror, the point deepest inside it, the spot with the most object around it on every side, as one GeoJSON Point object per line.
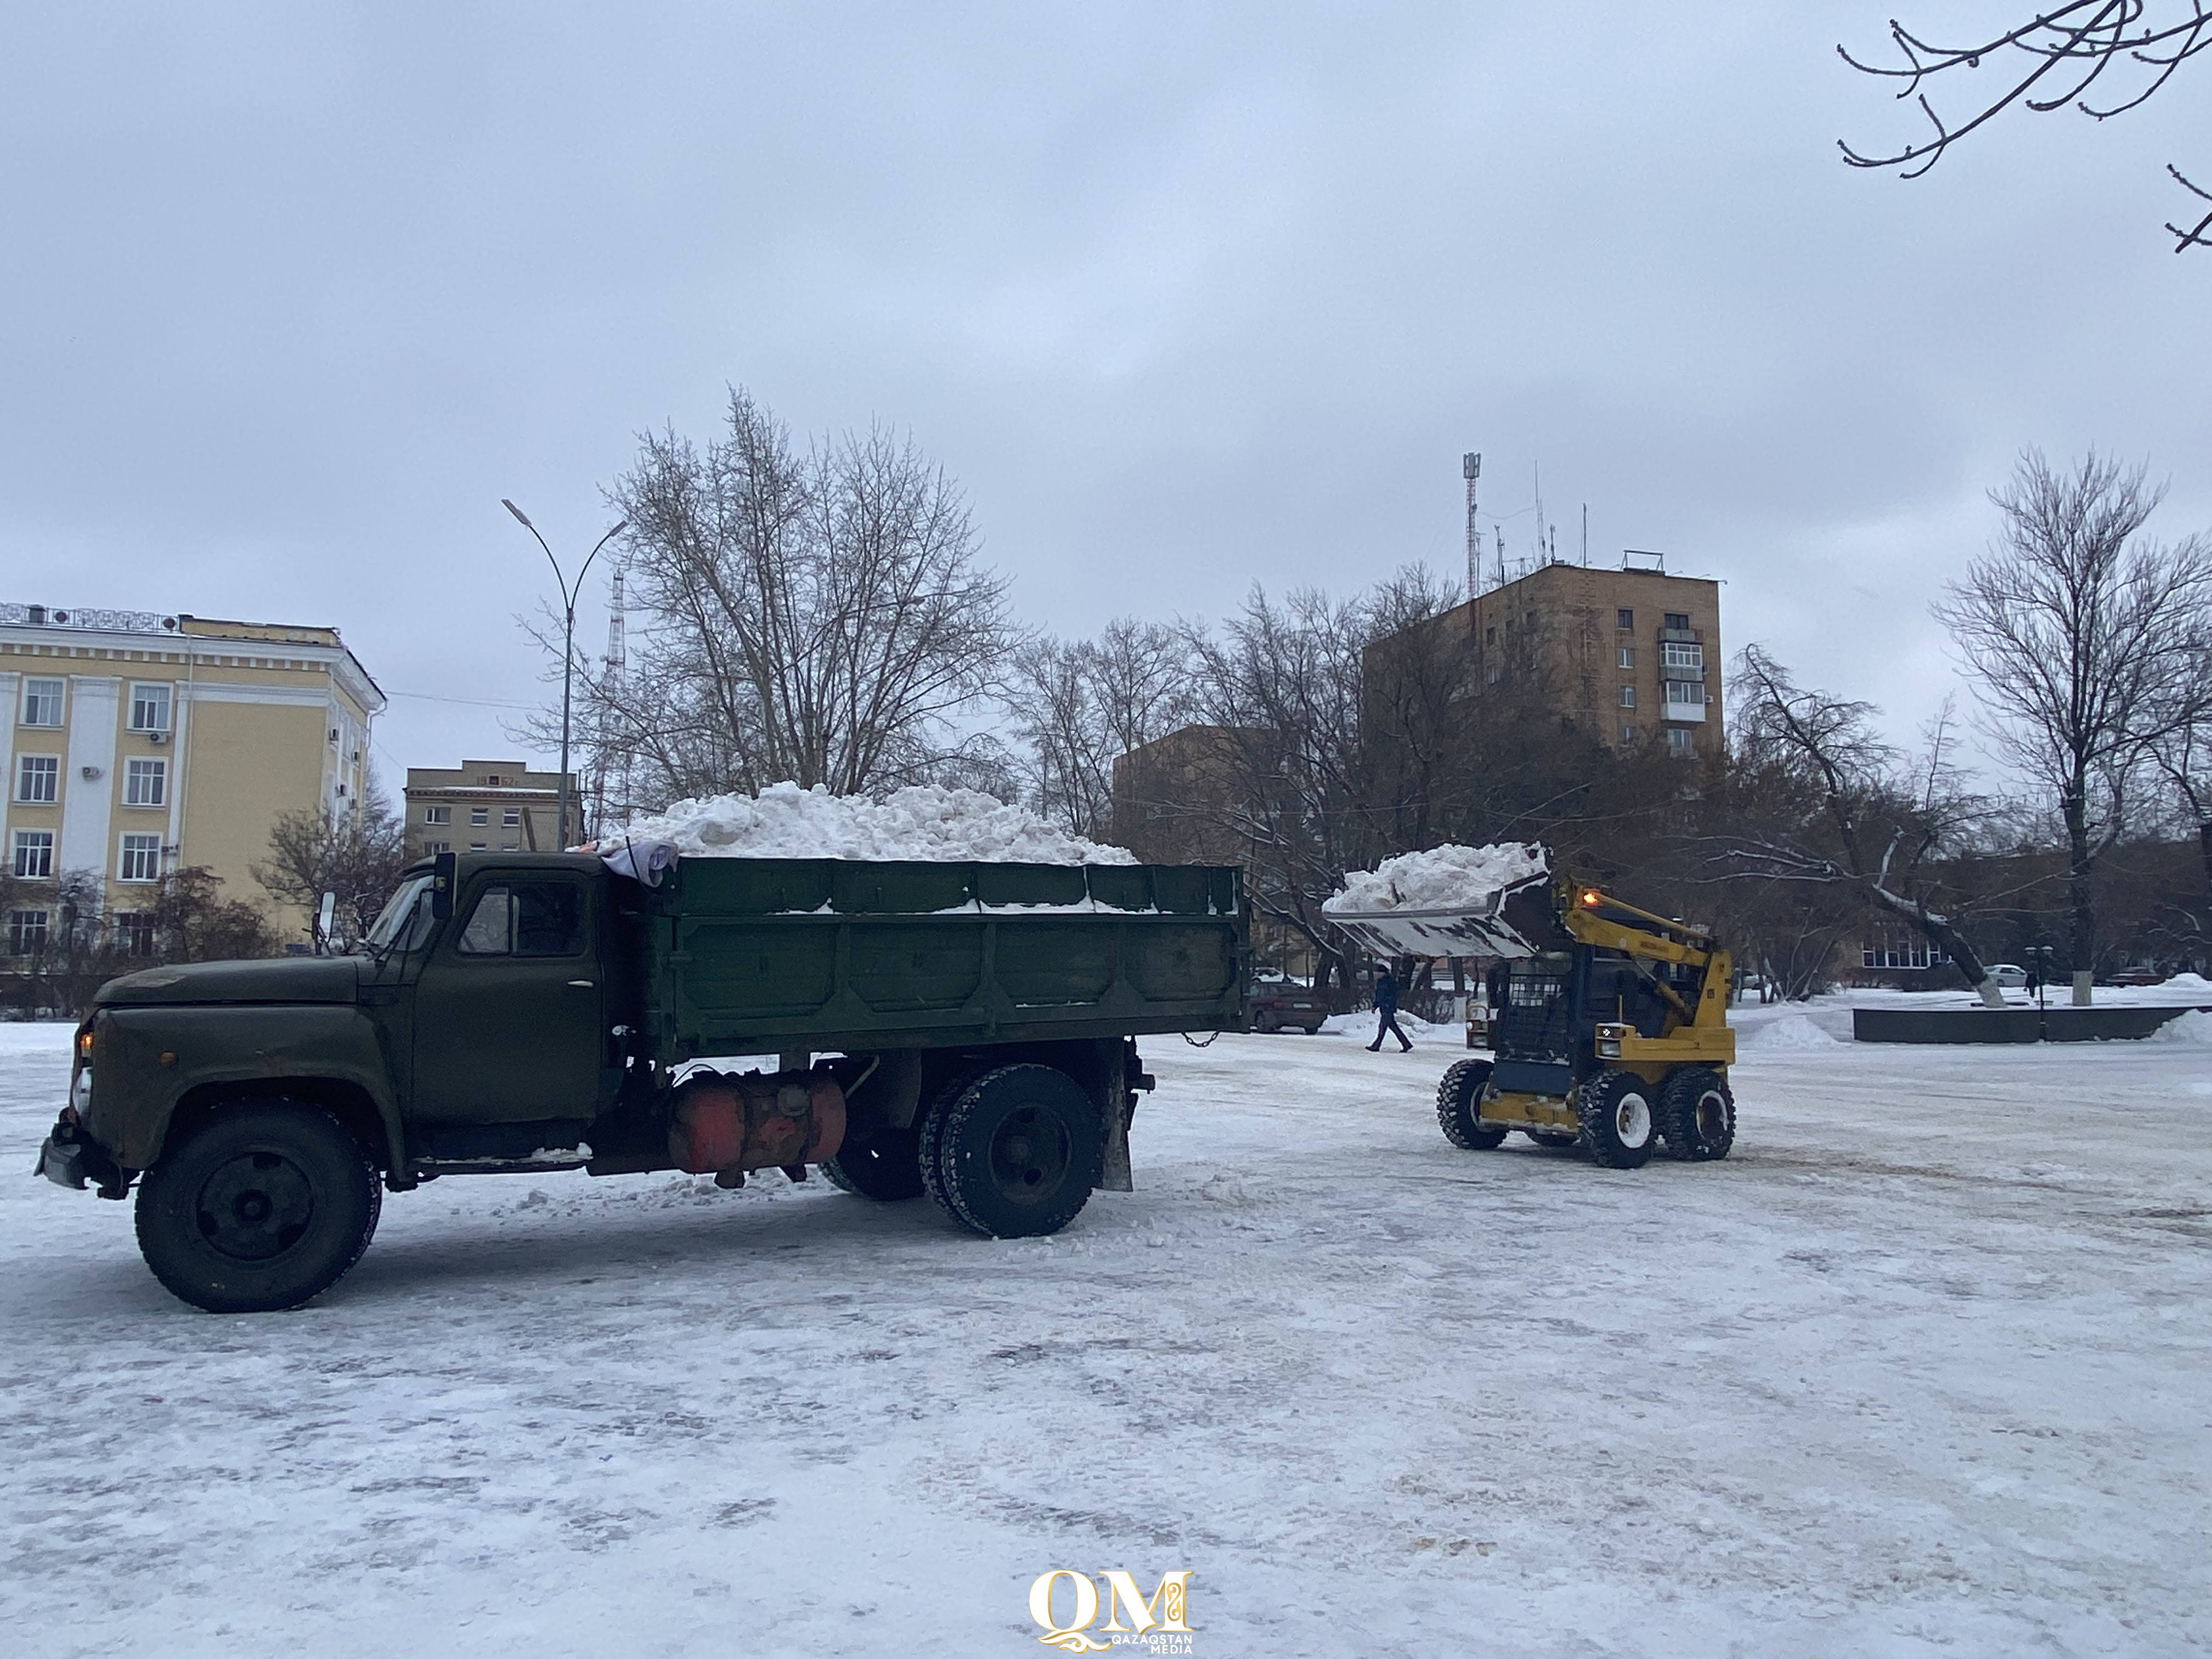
{"type": "Point", "coordinates": [442, 885]}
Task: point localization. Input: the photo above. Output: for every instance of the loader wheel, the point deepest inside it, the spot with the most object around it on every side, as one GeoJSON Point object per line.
{"type": "Point", "coordinates": [264, 1208]}
{"type": "Point", "coordinates": [1696, 1114]}
{"type": "Point", "coordinates": [1459, 1098]}
{"type": "Point", "coordinates": [1557, 1140]}
{"type": "Point", "coordinates": [885, 1165]}
{"type": "Point", "coordinates": [1015, 1153]}
{"type": "Point", "coordinates": [1618, 1124]}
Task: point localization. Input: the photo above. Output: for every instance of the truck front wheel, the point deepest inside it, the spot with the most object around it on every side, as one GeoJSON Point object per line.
{"type": "Point", "coordinates": [265, 1207]}
{"type": "Point", "coordinates": [885, 1165]}
{"type": "Point", "coordinates": [1015, 1153]}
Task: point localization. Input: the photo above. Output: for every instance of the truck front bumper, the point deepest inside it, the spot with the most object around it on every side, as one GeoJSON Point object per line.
{"type": "Point", "coordinates": [68, 1156]}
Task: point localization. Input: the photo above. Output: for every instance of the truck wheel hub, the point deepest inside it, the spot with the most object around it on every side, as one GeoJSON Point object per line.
{"type": "Point", "coordinates": [255, 1206]}
{"type": "Point", "coordinates": [1025, 1154]}
{"type": "Point", "coordinates": [1712, 1116]}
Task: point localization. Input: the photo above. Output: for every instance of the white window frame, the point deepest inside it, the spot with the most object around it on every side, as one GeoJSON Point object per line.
{"type": "Point", "coordinates": [151, 693]}
{"type": "Point", "coordinates": [1628, 696]}
{"type": "Point", "coordinates": [1674, 654]}
{"type": "Point", "coordinates": [1680, 740]}
{"type": "Point", "coordinates": [31, 848]}
{"type": "Point", "coordinates": [434, 848]}
{"type": "Point", "coordinates": [137, 769]}
{"type": "Point", "coordinates": [510, 817]}
{"type": "Point", "coordinates": [53, 778]}
{"type": "Point", "coordinates": [1628, 656]}
{"type": "Point", "coordinates": [1689, 693]}
{"type": "Point", "coordinates": [33, 698]}
{"type": "Point", "coordinates": [479, 817]}
{"type": "Point", "coordinates": [20, 923]}
{"type": "Point", "coordinates": [437, 815]}
{"type": "Point", "coordinates": [1628, 734]}
{"type": "Point", "coordinates": [134, 928]}
{"type": "Point", "coordinates": [130, 850]}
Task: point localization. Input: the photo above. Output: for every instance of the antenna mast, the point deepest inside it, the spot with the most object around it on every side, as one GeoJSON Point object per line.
{"type": "Point", "coordinates": [1470, 466]}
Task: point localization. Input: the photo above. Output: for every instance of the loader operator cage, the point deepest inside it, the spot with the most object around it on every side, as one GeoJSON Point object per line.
{"type": "Point", "coordinates": [1532, 1008]}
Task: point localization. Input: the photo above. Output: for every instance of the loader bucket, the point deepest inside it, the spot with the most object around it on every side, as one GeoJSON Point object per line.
{"type": "Point", "coordinates": [1495, 901]}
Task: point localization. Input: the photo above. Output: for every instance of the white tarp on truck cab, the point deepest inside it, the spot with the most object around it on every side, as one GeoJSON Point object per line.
{"type": "Point", "coordinates": [1452, 902]}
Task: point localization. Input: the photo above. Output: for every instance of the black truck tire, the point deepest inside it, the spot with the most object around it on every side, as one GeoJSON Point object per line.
{"type": "Point", "coordinates": [265, 1207]}
{"type": "Point", "coordinates": [1696, 1114]}
{"type": "Point", "coordinates": [1015, 1153]}
{"type": "Point", "coordinates": [885, 1165]}
{"type": "Point", "coordinates": [1619, 1119]}
{"type": "Point", "coordinates": [1459, 1098]}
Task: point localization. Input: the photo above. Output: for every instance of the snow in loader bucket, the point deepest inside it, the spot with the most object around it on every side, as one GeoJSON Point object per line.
{"type": "Point", "coordinates": [1452, 902]}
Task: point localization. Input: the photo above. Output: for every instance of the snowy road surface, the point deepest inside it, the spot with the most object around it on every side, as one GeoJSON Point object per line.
{"type": "Point", "coordinates": [1923, 1369]}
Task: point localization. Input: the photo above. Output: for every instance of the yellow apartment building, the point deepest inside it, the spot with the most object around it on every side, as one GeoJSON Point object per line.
{"type": "Point", "coordinates": [486, 807]}
{"type": "Point", "coordinates": [137, 743]}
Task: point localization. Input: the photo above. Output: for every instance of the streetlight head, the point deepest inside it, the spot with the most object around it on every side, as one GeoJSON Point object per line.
{"type": "Point", "coordinates": [518, 512]}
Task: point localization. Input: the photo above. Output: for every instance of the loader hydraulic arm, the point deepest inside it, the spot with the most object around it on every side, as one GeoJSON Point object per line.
{"type": "Point", "coordinates": [1595, 918]}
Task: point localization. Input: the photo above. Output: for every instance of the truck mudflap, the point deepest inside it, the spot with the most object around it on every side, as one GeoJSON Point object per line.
{"type": "Point", "coordinates": [68, 1156]}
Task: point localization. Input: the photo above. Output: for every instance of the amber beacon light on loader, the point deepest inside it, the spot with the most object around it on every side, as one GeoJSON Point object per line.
{"type": "Point", "coordinates": [1607, 1025]}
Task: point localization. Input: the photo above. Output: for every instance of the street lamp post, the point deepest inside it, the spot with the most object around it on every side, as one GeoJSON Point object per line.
{"type": "Point", "coordinates": [569, 593]}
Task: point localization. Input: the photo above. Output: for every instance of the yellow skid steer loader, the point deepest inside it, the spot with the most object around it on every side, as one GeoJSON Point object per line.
{"type": "Point", "coordinates": [1607, 1025]}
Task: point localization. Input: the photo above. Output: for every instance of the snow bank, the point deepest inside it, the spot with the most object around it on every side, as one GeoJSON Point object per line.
{"type": "Point", "coordinates": [2186, 983]}
{"type": "Point", "coordinates": [1448, 877]}
{"type": "Point", "coordinates": [2194, 1026]}
{"type": "Point", "coordinates": [1793, 1033]}
{"type": "Point", "coordinates": [925, 822]}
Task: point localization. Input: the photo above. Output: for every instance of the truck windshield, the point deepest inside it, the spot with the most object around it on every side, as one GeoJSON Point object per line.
{"type": "Point", "coordinates": [404, 919]}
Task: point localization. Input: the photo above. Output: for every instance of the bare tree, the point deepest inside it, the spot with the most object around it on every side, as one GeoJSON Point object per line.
{"type": "Point", "coordinates": [2087, 643]}
{"type": "Point", "coordinates": [818, 617]}
{"type": "Point", "coordinates": [2103, 58]}
{"type": "Point", "coordinates": [1816, 797]}
{"type": "Point", "coordinates": [1076, 706]}
{"type": "Point", "coordinates": [356, 855]}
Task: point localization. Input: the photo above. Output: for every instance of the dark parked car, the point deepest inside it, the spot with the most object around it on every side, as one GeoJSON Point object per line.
{"type": "Point", "coordinates": [1276, 1003]}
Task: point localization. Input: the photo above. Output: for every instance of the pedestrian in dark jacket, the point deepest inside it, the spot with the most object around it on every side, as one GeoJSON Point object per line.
{"type": "Point", "coordinates": [1386, 1012]}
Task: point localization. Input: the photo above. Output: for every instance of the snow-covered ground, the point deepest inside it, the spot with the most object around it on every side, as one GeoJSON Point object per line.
{"type": "Point", "coordinates": [1923, 1369]}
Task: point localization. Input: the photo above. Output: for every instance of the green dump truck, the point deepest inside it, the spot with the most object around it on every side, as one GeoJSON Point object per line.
{"type": "Point", "coordinates": [963, 1029]}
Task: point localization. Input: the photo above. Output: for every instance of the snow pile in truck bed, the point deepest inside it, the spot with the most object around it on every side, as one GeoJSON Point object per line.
{"type": "Point", "coordinates": [1448, 878]}
{"type": "Point", "coordinates": [926, 823]}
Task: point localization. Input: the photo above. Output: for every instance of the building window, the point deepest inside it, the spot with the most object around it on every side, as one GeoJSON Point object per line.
{"type": "Point", "coordinates": [437, 815]}
{"type": "Point", "coordinates": [1681, 742]}
{"type": "Point", "coordinates": [1918, 954]}
{"type": "Point", "coordinates": [145, 782]}
{"type": "Point", "coordinates": [434, 848]}
{"type": "Point", "coordinates": [511, 817]}
{"type": "Point", "coordinates": [149, 708]}
{"type": "Point", "coordinates": [42, 702]}
{"type": "Point", "coordinates": [1490, 636]}
{"type": "Point", "coordinates": [134, 933]}
{"type": "Point", "coordinates": [479, 814]}
{"type": "Point", "coordinates": [1692, 692]}
{"type": "Point", "coordinates": [1675, 655]}
{"type": "Point", "coordinates": [510, 846]}
{"type": "Point", "coordinates": [1628, 656]}
{"type": "Point", "coordinates": [34, 854]}
{"type": "Point", "coordinates": [478, 846]}
{"type": "Point", "coordinates": [1528, 620]}
{"type": "Point", "coordinates": [26, 932]}
{"type": "Point", "coordinates": [1677, 622]}
{"type": "Point", "coordinates": [1628, 734]}
{"type": "Point", "coordinates": [1624, 617]}
{"type": "Point", "coordinates": [1628, 696]}
{"type": "Point", "coordinates": [141, 860]}
{"type": "Point", "coordinates": [37, 778]}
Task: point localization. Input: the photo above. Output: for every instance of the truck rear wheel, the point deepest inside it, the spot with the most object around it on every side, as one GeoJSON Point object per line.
{"type": "Point", "coordinates": [1696, 1114]}
{"type": "Point", "coordinates": [885, 1165]}
{"type": "Point", "coordinates": [1459, 1100]}
{"type": "Point", "coordinates": [265, 1207]}
{"type": "Point", "coordinates": [1015, 1153]}
{"type": "Point", "coordinates": [1619, 1124]}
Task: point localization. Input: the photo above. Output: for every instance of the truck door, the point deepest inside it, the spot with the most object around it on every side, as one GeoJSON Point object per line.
{"type": "Point", "coordinates": [509, 1024]}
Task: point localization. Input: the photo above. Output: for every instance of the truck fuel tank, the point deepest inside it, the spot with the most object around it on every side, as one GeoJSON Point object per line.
{"type": "Point", "coordinates": [724, 1125]}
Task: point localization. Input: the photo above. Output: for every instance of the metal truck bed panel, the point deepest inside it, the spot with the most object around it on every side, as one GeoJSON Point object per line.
{"type": "Point", "coordinates": [754, 955]}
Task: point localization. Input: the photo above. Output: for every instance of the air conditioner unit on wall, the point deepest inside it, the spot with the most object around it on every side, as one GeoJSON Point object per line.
{"type": "Point", "coordinates": [157, 737]}
{"type": "Point", "coordinates": [89, 773]}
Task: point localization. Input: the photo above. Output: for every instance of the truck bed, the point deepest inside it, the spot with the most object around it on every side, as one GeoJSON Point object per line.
{"type": "Point", "coordinates": [755, 955]}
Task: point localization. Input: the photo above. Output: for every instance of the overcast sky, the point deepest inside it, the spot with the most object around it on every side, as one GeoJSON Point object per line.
{"type": "Point", "coordinates": [292, 296]}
